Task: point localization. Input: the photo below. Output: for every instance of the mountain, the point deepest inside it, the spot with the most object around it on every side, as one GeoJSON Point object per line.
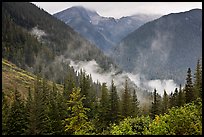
{"type": "Point", "coordinates": [163, 48]}
{"type": "Point", "coordinates": [14, 77]}
{"type": "Point", "coordinates": [104, 32]}
{"type": "Point", "coordinates": [38, 42]}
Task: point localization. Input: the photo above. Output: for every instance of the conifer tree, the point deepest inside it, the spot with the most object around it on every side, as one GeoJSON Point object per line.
{"type": "Point", "coordinates": [54, 112]}
{"type": "Point", "coordinates": [198, 80]}
{"type": "Point", "coordinates": [126, 101]}
{"type": "Point", "coordinates": [171, 100]}
{"type": "Point", "coordinates": [155, 105]}
{"type": "Point", "coordinates": [69, 83]}
{"type": "Point", "coordinates": [135, 105]}
{"type": "Point", "coordinates": [189, 87]}
{"type": "Point", "coordinates": [61, 104]}
{"type": "Point", "coordinates": [165, 102]}
{"type": "Point", "coordinates": [114, 104]}
{"type": "Point", "coordinates": [175, 97]}
{"type": "Point", "coordinates": [41, 94]}
{"type": "Point", "coordinates": [104, 108]}
{"type": "Point", "coordinates": [30, 113]}
{"type": "Point", "coordinates": [181, 97]}
{"type": "Point", "coordinates": [17, 119]}
{"type": "Point", "coordinates": [5, 113]}
{"type": "Point", "coordinates": [77, 121]}
{"type": "Point", "coordinates": [45, 119]}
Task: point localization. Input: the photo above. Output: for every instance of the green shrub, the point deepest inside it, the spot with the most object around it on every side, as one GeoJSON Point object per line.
{"type": "Point", "coordinates": [186, 120]}
{"type": "Point", "coordinates": [131, 126]}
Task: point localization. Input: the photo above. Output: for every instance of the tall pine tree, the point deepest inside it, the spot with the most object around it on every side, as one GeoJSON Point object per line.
{"type": "Point", "coordinates": [16, 124]}
{"type": "Point", "coordinates": [114, 104]}
{"type": "Point", "coordinates": [189, 87]}
{"type": "Point", "coordinates": [135, 105]}
{"type": "Point", "coordinates": [77, 122]}
{"type": "Point", "coordinates": [126, 101]}
{"type": "Point", "coordinates": [165, 102]}
{"type": "Point", "coordinates": [5, 113]}
{"type": "Point", "coordinates": [155, 109]}
{"type": "Point", "coordinates": [30, 113]}
{"type": "Point", "coordinates": [181, 97]}
{"type": "Point", "coordinates": [104, 108]}
{"type": "Point", "coordinates": [198, 80]}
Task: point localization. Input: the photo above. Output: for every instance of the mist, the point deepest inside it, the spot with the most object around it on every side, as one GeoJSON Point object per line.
{"type": "Point", "coordinates": [97, 74]}
{"type": "Point", "coordinates": [38, 33]}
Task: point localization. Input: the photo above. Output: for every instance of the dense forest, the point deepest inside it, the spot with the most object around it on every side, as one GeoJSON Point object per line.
{"type": "Point", "coordinates": [85, 107]}
{"type": "Point", "coordinates": [39, 54]}
{"type": "Point", "coordinates": [54, 99]}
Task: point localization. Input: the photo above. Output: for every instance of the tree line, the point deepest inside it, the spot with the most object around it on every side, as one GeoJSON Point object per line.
{"type": "Point", "coordinates": [86, 107]}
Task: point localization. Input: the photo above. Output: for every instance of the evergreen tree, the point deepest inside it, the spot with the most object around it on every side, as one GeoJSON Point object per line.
{"type": "Point", "coordinates": [5, 113]}
{"type": "Point", "coordinates": [77, 121]}
{"type": "Point", "coordinates": [171, 100]}
{"type": "Point", "coordinates": [54, 112]}
{"type": "Point", "coordinates": [114, 104]}
{"type": "Point", "coordinates": [175, 97]}
{"type": "Point", "coordinates": [135, 105]}
{"type": "Point", "coordinates": [41, 111]}
{"type": "Point", "coordinates": [189, 87]}
{"type": "Point", "coordinates": [155, 105]}
{"type": "Point", "coordinates": [87, 89]}
{"type": "Point", "coordinates": [126, 101]}
{"type": "Point", "coordinates": [181, 97]}
{"type": "Point", "coordinates": [61, 104]}
{"type": "Point", "coordinates": [165, 102]}
{"type": "Point", "coordinates": [69, 83]}
{"type": "Point", "coordinates": [45, 119]}
{"type": "Point", "coordinates": [104, 108]}
{"type": "Point", "coordinates": [30, 113]}
{"type": "Point", "coordinates": [16, 119]}
{"type": "Point", "coordinates": [198, 80]}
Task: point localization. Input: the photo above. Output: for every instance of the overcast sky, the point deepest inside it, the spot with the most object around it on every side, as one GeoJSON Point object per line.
{"type": "Point", "coordinates": [119, 9]}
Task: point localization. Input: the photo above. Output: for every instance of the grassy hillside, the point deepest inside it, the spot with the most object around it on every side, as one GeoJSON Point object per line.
{"type": "Point", "coordinates": [14, 77]}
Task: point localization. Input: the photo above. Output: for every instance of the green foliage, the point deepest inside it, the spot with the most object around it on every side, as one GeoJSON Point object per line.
{"type": "Point", "coordinates": [198, 80]}
{"type": "Point", "coordinates": [30, 113]}
{"type": "Point", "coordinates": [126, 101]}
{"type": "Point", "coordinates": [165, 102]}
{"type": "Point", "coordinates": [37, 55]}
{"type": "Point", "coordinates": [114, 104]}
{"type": "Point", "coordinates": [181, 97]}
{"type": "Point", "coordinates": [104, 109]}
{"type": "Point", "coordinates": [186, 120]}
{"type": "Point", "coordinates": [135, 105]}
{"type": "Point", "coordinates": [156, 105]}
{"type": "Point", "coordinates": [16, 123]}
{"type": "Point", "coordinates": [5, 113]}
{"type": "Point", "coordinates": [56, 114]}
{"type": "Point", "coordinates": [77, 122]}
{"type": "Point", "coordinates": [189, 87]}
{"type": "Point", "coordinates": [131, 126]}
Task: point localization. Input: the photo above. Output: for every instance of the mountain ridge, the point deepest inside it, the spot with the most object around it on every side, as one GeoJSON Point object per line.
{"type": "Point", "coordinates": [104, 32]}
{"type": "Point", "coordinates": [20, 18]}
{"type": "Point", "coordinates": [163, 45]}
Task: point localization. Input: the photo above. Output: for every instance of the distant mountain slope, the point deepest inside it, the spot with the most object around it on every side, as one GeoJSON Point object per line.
{"type": "Point", "coordinates": [104, 32]}
{"type": "Point", "coordinates": [14, 77]}
{"type": "Point", "coordinates": [35, 40]}
{"type": "Point", "coordinates": [163, 48]}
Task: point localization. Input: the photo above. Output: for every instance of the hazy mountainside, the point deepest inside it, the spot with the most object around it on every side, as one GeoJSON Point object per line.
{"type": "Point", "coordinates": [36, 41]}
{"type": "Point", "coordinates": [14, 77]}
{"type": "Point", "coordinates": [163, 48]}
{"type": "Point", "coordinates": [104, 32]}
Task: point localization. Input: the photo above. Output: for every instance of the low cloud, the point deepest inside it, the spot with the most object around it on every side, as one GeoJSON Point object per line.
{"type": "Point", "coordinates": [91, 67]}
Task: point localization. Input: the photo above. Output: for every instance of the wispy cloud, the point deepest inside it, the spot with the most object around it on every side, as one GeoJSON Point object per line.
{"type": "Point", "coordinates": [119, 9]}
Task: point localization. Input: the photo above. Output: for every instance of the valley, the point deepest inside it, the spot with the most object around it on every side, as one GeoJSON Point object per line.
{"type": "Point", "coordinates": [76, 72]}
